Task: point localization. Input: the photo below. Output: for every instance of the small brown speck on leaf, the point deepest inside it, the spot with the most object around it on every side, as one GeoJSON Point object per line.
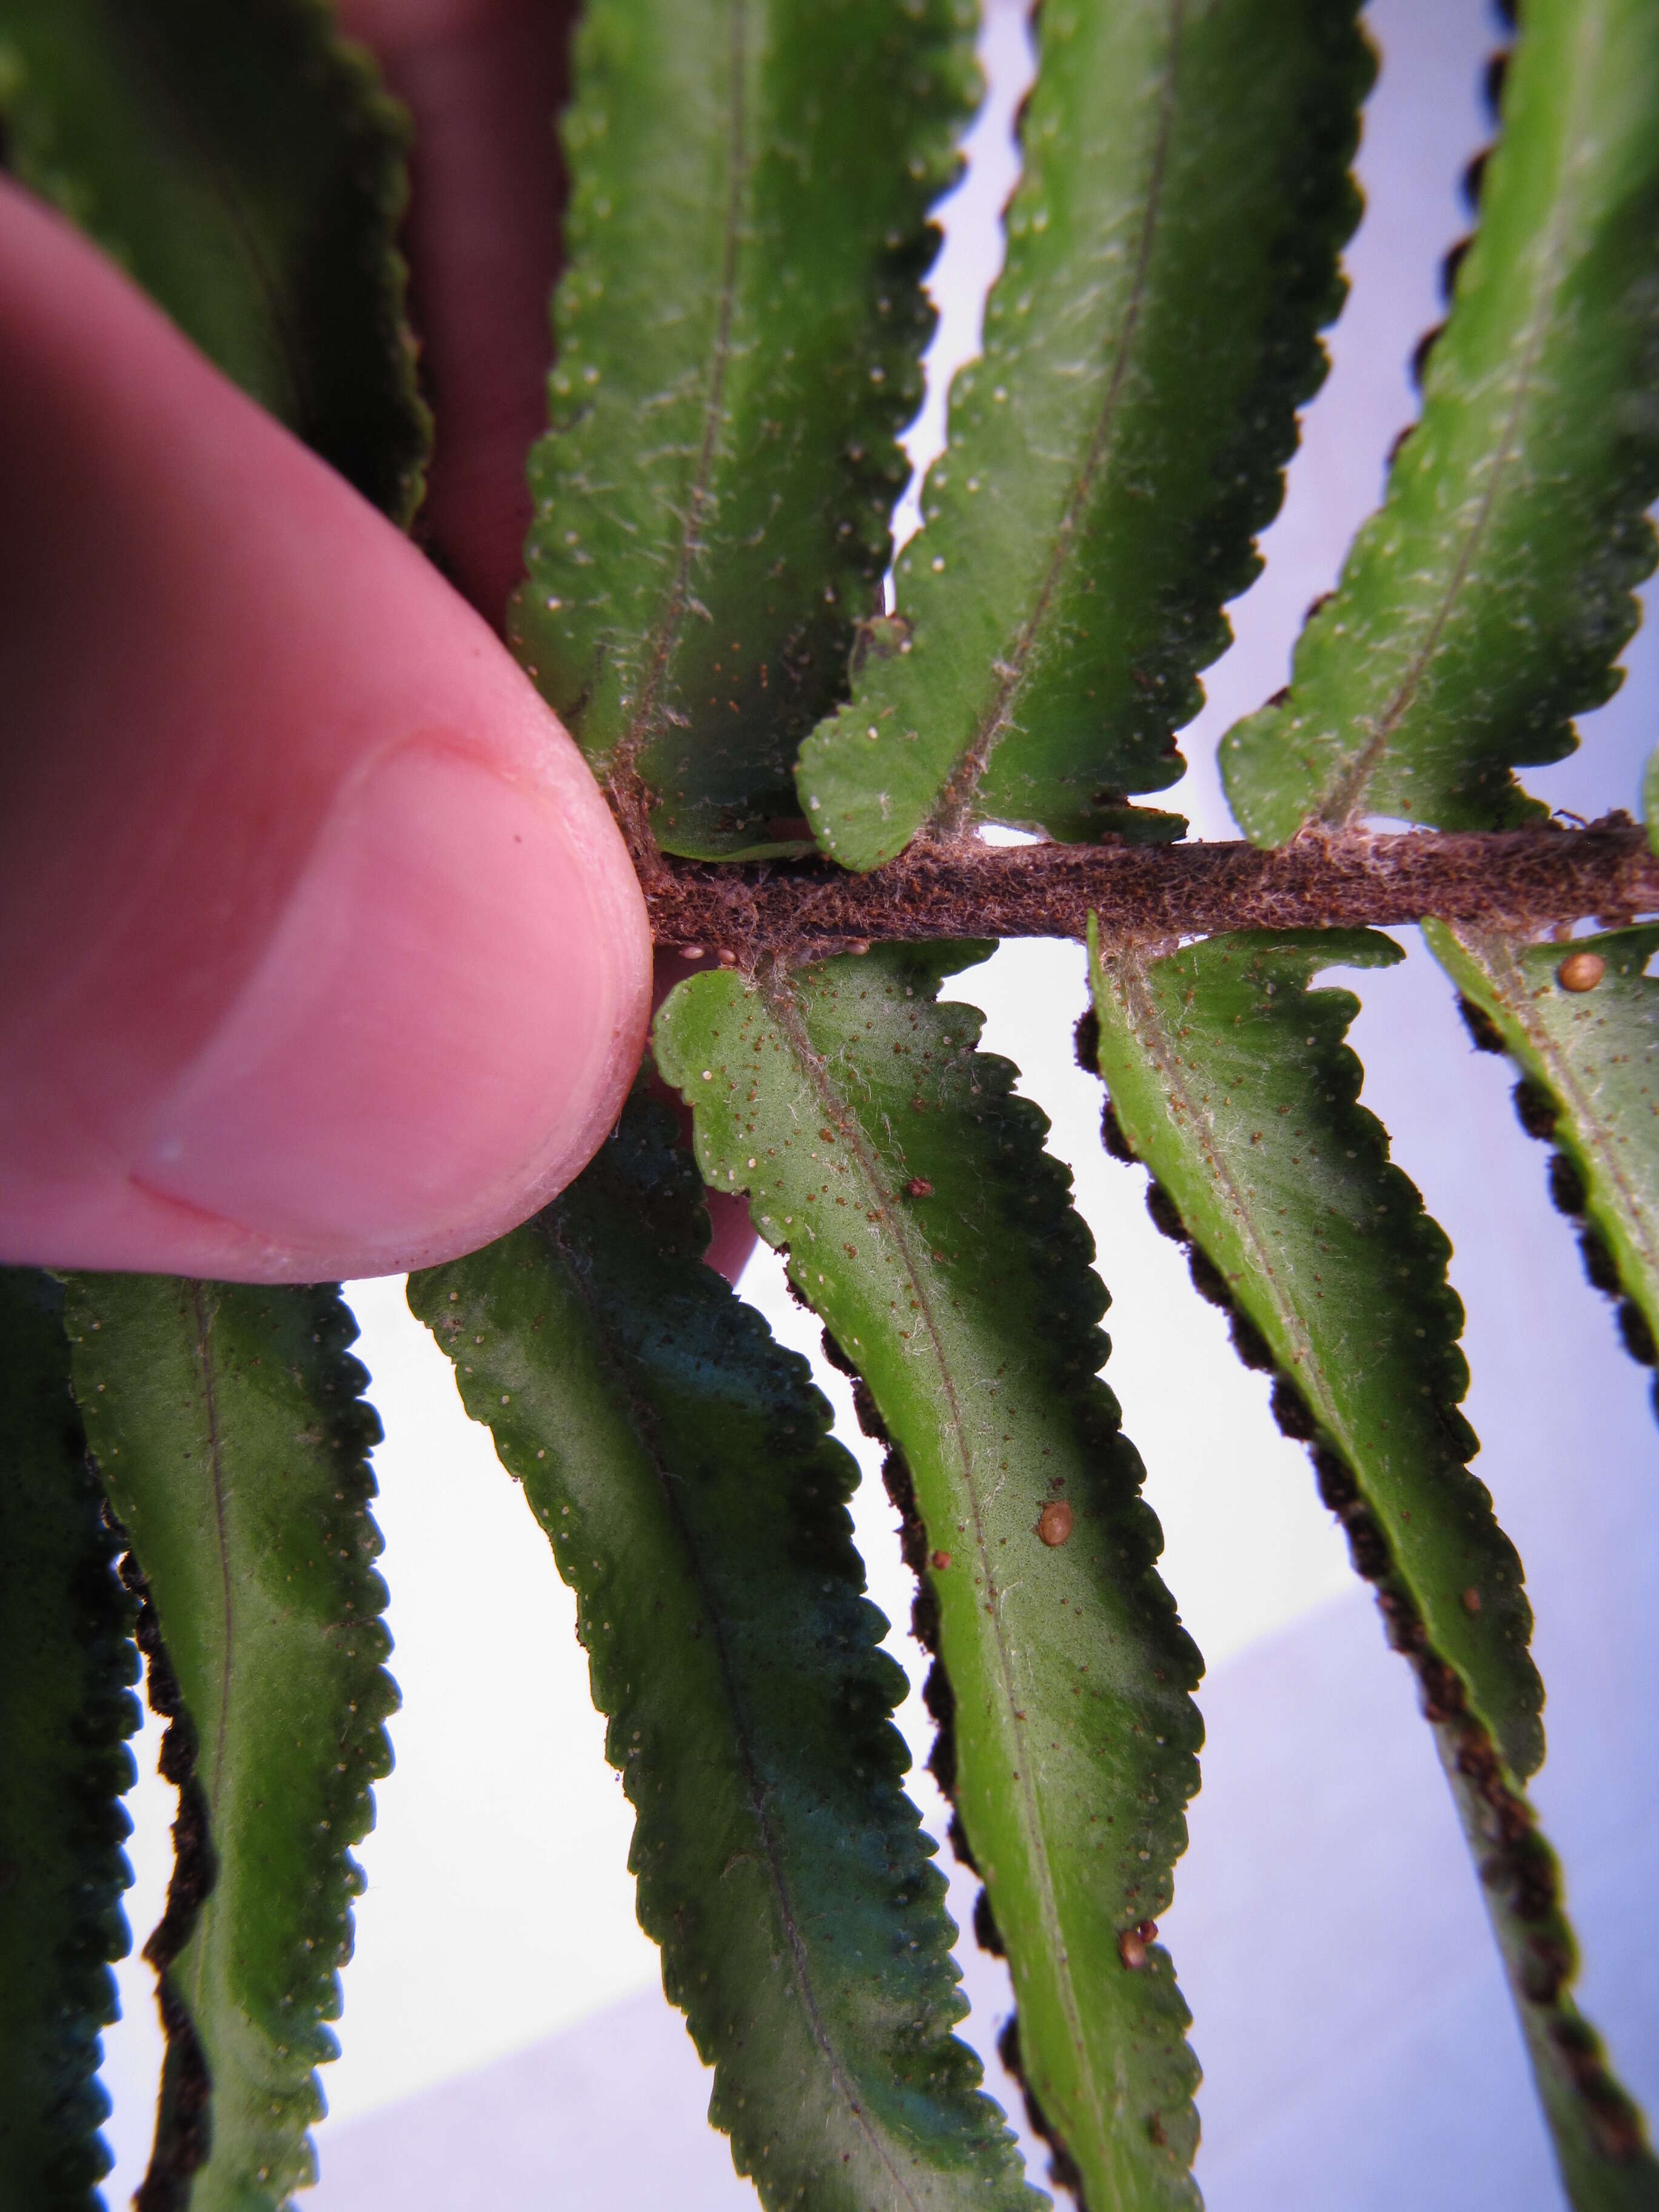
{"type": "Point", "coordinates": [1132, 1948]}
{"type": "Point", "coordinates": [1054, 1523]}
{"type": "Point", "coordinates": [941, 1560]}
{"type": "Point", "coordinates": [1581, 971]}
{"type": "Point", "coordinates": [1470, 1600]}
{"type": "Point", "coordinates": [919, 1186]}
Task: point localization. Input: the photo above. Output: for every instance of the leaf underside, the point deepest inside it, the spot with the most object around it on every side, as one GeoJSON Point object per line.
{"type": "Point", "coordinates": [923, 1220]}
{"type": "Point", "coordinates": [680, 1462]}
{"type": "Point", "coordinates": [229, 1428]}
{"type": "Point", "coordinates": [739, 332]}
{"type": "Point", "coordinates": [1228, 1077]}
{"type": "Point", "coordinates": [1487, 601]}
{"type": "Point", "coordinates": [66, 1664]}
{"type": "Point", "coordinates": [246, 168]}
{"type": "Point", "coordinates": [1589, 1068]}
{"type": "Point", "coordinates": [1252, 1128]}
{"type": "Point", "coordinates": [1172, 253]}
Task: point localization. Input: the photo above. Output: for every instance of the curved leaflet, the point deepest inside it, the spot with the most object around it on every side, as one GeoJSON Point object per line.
{"type": "Point", "coordinates": [739, 334]}
{"type": "Point", "coordinates": [229, 1428]}
{"type": "Point", "coordinates": [1589, 1062]}
{"type": "Point", "coordinates": [924, 1221]}
{"type": "Point", "coordinates": [1487, 601]}
{"type": "Point", "coordinates": [66, 1708]}
{"type": "Point", "coordinates": [246, 167]}
{"type": "Point", "coordinates": [680, 1464]}
{"type": "Point", "coordinates": [1171, 254]}
{"type": "Point", "coordinates": [1228, 1077]}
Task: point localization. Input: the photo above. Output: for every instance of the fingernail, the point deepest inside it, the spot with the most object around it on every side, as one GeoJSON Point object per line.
{"type": "Point", "coordinates": [440, 1032]}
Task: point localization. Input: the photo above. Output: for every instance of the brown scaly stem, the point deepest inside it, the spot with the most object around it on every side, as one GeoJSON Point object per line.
{"type": "Point", "coordinates": [1526, 879]}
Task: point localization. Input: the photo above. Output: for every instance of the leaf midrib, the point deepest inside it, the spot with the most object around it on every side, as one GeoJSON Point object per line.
{"type": "Point", "coordinates": [950, 813]}
{"type": "Point", "coordinates": [669, 623]}
{"type": "Point", "coordinates": [786, 1012]}
{"type": "Point", "coordinates": [1148, 1023]}
{"type": "Point", "coordinates": [1345, 801]}
{"type": "Point", "coordinates": [1310, 1370]}
{"type": "Point", "coordinates": [644, 1423]}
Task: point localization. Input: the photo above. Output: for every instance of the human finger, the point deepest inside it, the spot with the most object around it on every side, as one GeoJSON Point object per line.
{"type": "Point", "coordinates": [483, 81]}
{"type": "Point", "coordinates": [324, 955]}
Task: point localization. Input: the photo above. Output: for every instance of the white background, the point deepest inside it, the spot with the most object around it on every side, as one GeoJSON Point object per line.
{"type": "Point", "coordinates": [1356, 2039]}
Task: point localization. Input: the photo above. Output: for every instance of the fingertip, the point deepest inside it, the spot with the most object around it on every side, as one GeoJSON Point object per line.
{"type": "Point", "coordinates": [442, 1029]}
{"type": "Point", "coordinates": [326, 955]}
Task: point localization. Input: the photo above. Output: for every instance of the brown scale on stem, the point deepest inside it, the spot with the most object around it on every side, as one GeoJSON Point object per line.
{"type": "Point", "coordinates": [806, 910]}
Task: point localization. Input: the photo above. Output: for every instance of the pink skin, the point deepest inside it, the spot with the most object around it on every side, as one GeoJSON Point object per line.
{"type": "Point", "coordinates": [482, 78]}
{"type": "Point", "coordinates": [324, 955]}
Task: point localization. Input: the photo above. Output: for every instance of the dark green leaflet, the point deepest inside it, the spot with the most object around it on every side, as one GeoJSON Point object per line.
{"type": "Point", "coordinates": [66, 1661]}
{"type": "Point", "coordinates": [1251, 1127]}
{"type": "Point", "coordinates": [245, 166]}
{"type": "Point", "coordinates": [680, 1464]}
{"type": "Point", "coordinates": [1486, 602]}
{"type": "Point", "coordinates": [925, 1224]}
{"type": "Point", "coordinates": [739, 334]}
{"type": "Point", "coordinates": [1592, 1059]}
{"type": "Point", "coordinates": [1171, 253]}
{"type": "Point", "coordinates": [1230, 1078]}
{"type": "Point", "coordinates": [227, 1425]}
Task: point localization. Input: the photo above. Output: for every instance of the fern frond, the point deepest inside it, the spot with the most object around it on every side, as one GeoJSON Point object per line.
{"type": "Point", "coordinates": [244, 164]}
{"type": "Point", "coordinates": [1488, 599]}
{"type": "Point", "coordinates": [680, 1462]}
{"type": "Point", "coordinates": [1171, 254]}
{"type": "Point", "coordinates": [740, 328]}
{"type": "Point", "coordinates": [66, 1662]}
{"type": "Point", "coordinates": [1590, 1083]}
{"type": "Point", "coordinates": [925, 1222]}
{"type": "Point", "coordinates": [1228, 1077]}
{"type": "Point", "coordinates": [228, 1429]}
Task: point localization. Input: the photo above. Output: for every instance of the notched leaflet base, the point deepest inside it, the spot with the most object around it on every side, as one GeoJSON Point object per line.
{"type": "Point", "coordinates": [1589, 1085]}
